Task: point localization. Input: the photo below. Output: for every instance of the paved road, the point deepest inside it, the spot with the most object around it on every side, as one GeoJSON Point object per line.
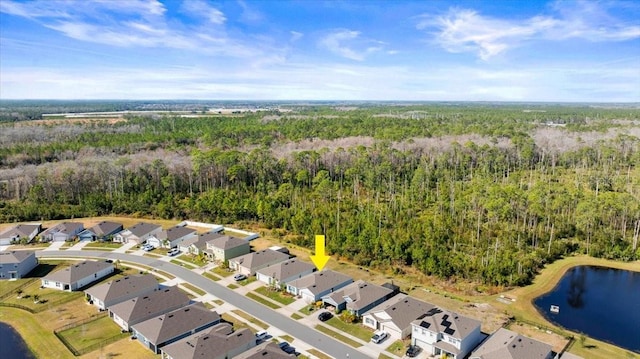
{"type": "Point", "coordinates": [309, 335]}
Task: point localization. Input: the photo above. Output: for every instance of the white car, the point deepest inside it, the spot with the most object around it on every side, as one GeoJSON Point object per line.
{"type": "Point", "coordinates": [379, 336]}
{"type": "Point", "coordinates": [147, 247]}
{"type": "Point", "coordinates": [173, 252]}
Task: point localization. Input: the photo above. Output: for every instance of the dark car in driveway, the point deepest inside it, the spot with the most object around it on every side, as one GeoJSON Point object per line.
{"type": "Point", "coordinates": [324, 316]}
{"type": "Point", "coordinates": [413, 351]}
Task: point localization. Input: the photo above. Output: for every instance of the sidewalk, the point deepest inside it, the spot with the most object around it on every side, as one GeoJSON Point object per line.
{"type": "Point", "coordinates": [54, 246]}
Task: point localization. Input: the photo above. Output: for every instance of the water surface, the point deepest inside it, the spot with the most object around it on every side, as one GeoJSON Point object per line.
{"type": "Point", "coordinates": [11, 344]}
{"type": "Point", "coordinates": [603, 303]}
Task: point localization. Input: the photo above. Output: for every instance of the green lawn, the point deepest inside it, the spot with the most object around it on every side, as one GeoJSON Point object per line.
{"type": "Point", "coordinates": [249, 318]}
{"type": "Point", "coordinates": [278, 296]}
{"type": "Point", "coordinates": [338, 336]}
{"type": "Point", "coordinates": [218, 301]}
{"type": "Point", "coordinates": [94, 332]}
{"type": "Point", "coordinates": [213, 277]}
{"type": "Point", "coordinates": [223, 272]}
{"type": "Point", "coordinates": [319, 354]}
{"type": "Point", "coordinates": [236, 324]}
{"type": "Point", "coordinates": [45, 296]}
{"type": "Point", "coordinates": [111, 245]}
{"type": "Point", "coordinates": [232, 286]}
{"type": "Point", "coordinates": [193, 288]}
{"type": "Point", "coordinates": [249, 280]}
{"type": "Point", "coordinates": [396, 348]}
{"type": "Point", "coordinates": [287, 338]}
{"type": "Point", "coordinates": [356, 330]}
{"type": "Point", "coordinates": [182, 264]}
{"type": "Point", "coordinates": [198, 262]}
{"type": "Point", "coordinates": [308, 309]}
{"type": "Point", "coordinates": [382, 356]}
{"type": "Point", "coordinates": [8, 286]}
{"type": "Point", "coordinates": [296, 316]}
{"type": "Point", "coordinates": [263, 301]}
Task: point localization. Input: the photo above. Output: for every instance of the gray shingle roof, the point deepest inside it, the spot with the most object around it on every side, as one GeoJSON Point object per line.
{"type": "Point", "coordinates": [174, 233]}
{"type": "Point", "coordinates": [211, 343]}
{"type": "Point", "coordinates": [149, 305]}
{"type": "Point", "coordinates": [105, 228]}
{"type": "Point", "coordinates": [266, 350]}
{"type": "Point", "coordinates": [175, 323]}
{"type": "Point", "coordinates": [260, 258]}
{"type": "Point", "coordinates": [227, 242]}
{"type": "Point", "coordinates": [142, 229]}
{"type": "Point", "coordinates": [118, 288]}
{"type": "Point", "coordinates": [201, 240]}
{"type": "Point", "coordinates": [20, 230]}
{"type": "Point", "coordinates": [14, 257]}
{"type": "Point", "coordinates": [361, 294]}
{"type": "Point", "coordinates": [65, 227]}
{"type": "Point", "coordinates": [75, 272]}
{"type": "Point", "coordinates": [505, 344]}
{"type": "Point", "coordinates": [286, 269]}
{"type": "Point", "coordinates": [402, 309]}
{"type": "Point", "coordinates": [453, 324]}
{"type": "Point", "coordinates": [319, 282]}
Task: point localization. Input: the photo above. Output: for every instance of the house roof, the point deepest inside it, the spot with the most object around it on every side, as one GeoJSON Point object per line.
{"type": "Point", "coordinates": [266, 350]}
{"type": "Point", "coordinates": [505, 344]}
{"type": "Point", "coordinates": [77, 271]}
{"type": "Point", "coordinates": [174, 233]}
{"type": "Point", "coordinates": [286, 269]}
{"type": "Point", "coordinates": [124, 286]}
{"type": "Point", "coordinates": [65, 227]}
{"type": "Point", "coordinates": [175, 323]}
{"type": "Point", "coordinates": [201, 240]}
{"type": "Point", "coordinates": [212, 343]}
{"type": "Point", "coordinates": [453, 324]}
{"type": "Point", "coordinates": [260, 258]}
{"type": "Point", "coordinates": [360, 294]}
{"type": "Point", "coordinates": [20, 230]}
{"type": "Point", "coordinates": [142, 229]}
{"type": "Point", "coordinates": [150, 304]}
{"type": "Point", "coordinates": [13, 257]}
{"type": "Point", "coordinates": [227, 242]}
{"type": "Point", "coordinates": [318, 282]}
{"type": "Point", "coordinates": [105, 228]}
{"type": "Point", "coordinates": [401, 310]}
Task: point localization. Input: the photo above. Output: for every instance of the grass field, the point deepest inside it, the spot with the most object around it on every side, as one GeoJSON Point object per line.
{"type": "Point", "coordinates": [222, 272]}
{"type": "Point", "coordinates": [396, 348]}
{"type": "Point", "coordinates": [337, 336]}
{"type": "Point", "coordinates": [278, 296]}
{"type": "Point", "coordinates": [250, 319]}
{"type": "Point", "coordinates": [94, 332]}
{"type": "Point", "coordinates": [211, 276]}
{"type": "Point", "coordinates": [356, 330]}
{"type": "Point", "coordinates": [193, 288]}
{"type": "Point", "coordinates": [182, 264]}
{"type": "Point", "coordinates": [110, 245]}
{"type": "Point", "coordinates": [262, 301]}
{"type": "Point", "coordinates": [319, 354]}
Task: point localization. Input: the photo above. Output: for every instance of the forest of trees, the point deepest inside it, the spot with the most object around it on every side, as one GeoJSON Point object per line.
{"type": "Point", "coordinates": [480, 192]}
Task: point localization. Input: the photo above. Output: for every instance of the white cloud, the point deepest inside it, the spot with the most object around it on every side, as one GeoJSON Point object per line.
{"type": "Point", "coordinates": [202, 9]}
{"type": "Point", "coordinates": [349, 44]}
{"type": "Point", "coordinates": [465, 30]}
{"type": "Point", "coordinates": [295, 36]}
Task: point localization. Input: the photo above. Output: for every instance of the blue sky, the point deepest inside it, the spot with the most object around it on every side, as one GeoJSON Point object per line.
{"type": "Point", "coordinates": [517, 50]}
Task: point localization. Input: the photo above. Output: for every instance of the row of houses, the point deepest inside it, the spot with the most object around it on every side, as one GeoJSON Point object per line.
{"type": "Point", "coordinates": [163, 319]}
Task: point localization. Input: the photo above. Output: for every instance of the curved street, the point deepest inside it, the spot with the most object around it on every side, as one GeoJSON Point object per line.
{"type": "Point", "coordinates": [309, 335]}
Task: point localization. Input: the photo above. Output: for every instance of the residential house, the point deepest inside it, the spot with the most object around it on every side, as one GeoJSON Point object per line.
{"type": "Point", "coordinates": [139, 309]}
{"type": "Point", "coordinates": [223, 248]}
{"type": "Point", "coordinates": [266, 350]}
{"type": "Point", "coordinates": [439, 331]}
{"type": "Point", "coordinates": [20, 232]}
{"type": "Point", "coordinates": [248, 264]}
{"type": "Point", "coordinates": [77, 275]}
{"type": "Point", "coordinates": [314, 286]}
{"type": "Point", "coordinates": [358, 297]}
{"type": "Point", "coordinates": [61, 232]}
{"type": "Point", "coordinates": [505, 344]}
{"type": "Point", "coordinates": [280, 273]}
{"type": "Point", "coordinates": [17, 264]}
{"type": "Point", "coordinates": [102, 231]}
{"type": "Point", "coordinates": [172, 237]}
{"type": "Point", "coordinates": [197, 245]}
{"type": "Point", "coordinates": [395, 315]}
{"type": "Point", "coordinates": [119, 290]}
{"type": "Point", "coordinates": [218, 342]}
{"type": "Point", "coordinates": [170, 327]}
{"type": "Point", "coordinates": [139, 233]}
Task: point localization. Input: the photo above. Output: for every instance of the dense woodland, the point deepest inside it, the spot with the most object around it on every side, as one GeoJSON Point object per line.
{"type": "Point", "coordinates": [479, 192]}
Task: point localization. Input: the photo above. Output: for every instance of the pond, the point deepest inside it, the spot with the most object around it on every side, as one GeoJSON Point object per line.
{"type": "Point", "coordinates": [12, 344]}
{"type": "Point", "coordinates": [603, 303]}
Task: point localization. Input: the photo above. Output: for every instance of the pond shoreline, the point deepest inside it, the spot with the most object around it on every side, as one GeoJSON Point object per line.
{"type": "Point", "coordinates": [13, 344]}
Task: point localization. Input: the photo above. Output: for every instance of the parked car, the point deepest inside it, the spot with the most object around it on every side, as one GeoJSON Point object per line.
{"type": "Point", "coordinates": [238, 277]}
{"type": "Point", "coordinates": [287, 348]}
{"type": "Point", "coordinates": [262, 335]}
{"type": "Point", "coordinates": [147, 247]}
{"type": "Point", "coordinates": [324, 316]}
{"type": "Point", "coordinates": [379, 336]}
{"type": "Point", "coordinates": [173, 252]}
{"type": "Point", "coordinates": [413, 351]}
